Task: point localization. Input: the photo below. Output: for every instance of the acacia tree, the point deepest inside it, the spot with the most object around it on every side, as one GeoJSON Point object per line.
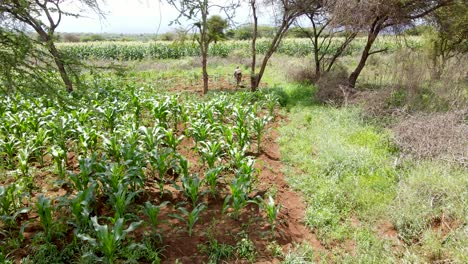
{"type": "Point", "coordinates": [450, 37]}
{"type": "Point", "coordinates": [375, 16]}
{"type": "Point", "coordinates": [216, 27]}
{"type": "Point", "coordinates": [44, 16]}
{"type": "Point", "coordinates": [23, 64]}
{"type": "Point", "coordinates": [287, 11]}
{"type": "Point", "coordinates": [322, 35]}
{"type": "Point", "coordinates": [197, 11]}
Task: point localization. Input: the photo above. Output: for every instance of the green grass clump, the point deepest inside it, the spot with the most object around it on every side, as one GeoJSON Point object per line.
{"type": "Point", "coordinates": [347, 171]}
{"type": "Point", "coordinates": [343, 167]}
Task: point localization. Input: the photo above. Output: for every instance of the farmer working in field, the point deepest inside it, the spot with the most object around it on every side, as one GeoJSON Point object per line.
{"type": "Point", "coordinates": [238, 76]}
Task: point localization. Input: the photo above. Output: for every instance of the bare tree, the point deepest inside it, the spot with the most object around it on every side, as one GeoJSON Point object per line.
{"type": "Point", "coordinates": [287, 11]}
{"type": "Point", "coordinates": [197, 11]}
{"type": "Point", "coordinates": [44, 17]}
{"type": "Point", "coordinates": [375, 16]}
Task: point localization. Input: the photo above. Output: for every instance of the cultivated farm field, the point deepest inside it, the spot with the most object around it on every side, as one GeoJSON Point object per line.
{"type": "Point", "coordinates": [138, 167]}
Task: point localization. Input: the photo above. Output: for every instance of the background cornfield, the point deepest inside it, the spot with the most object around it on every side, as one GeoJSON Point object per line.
{"type": "Point", "coordinates": [175, 50]}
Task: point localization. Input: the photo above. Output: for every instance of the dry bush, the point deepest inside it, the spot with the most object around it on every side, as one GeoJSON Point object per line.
{"type": "Point", "coordinates": [300, 71]}
{"type": "Point", "coordinates": [404, 81]}
{"type": "Point", "coordinates": [441, 135]}
{"type": "Point", "coordinates": [330, 86]}
{"type": "Point", "coordinates": [374, 102]}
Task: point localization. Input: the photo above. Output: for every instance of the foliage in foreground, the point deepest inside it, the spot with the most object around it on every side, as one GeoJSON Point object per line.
{"type": "Point", "coordinates": [105, 149]}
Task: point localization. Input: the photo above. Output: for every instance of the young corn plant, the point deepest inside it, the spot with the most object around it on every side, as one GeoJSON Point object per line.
{"type": "Point", "coordinates": [245, 172]}
{"type": "Point", "coordinates": [271, 102]}
{"type": "Point", "coordinates": [24, 153]}
{"type": "Point", "coordinates": [172, 140]}
{"type": "Point", "coordinates": [121, 200]}
{"type": "Point", "coordinates": [132, 155]}
{"type": "Point", "coordinates": [9, 149]}
{"type": "Point", "coordinates": [152, 137]}
{"type": "Point", "coordinates": [112, 177]}
{"type": "Point", "coordinates": [237, 156]}
{"type": "Point", "coordinates": [108, 240]}
{"type": "Point", "coordinates": [190, 218]}
{"type": "Point", "coordinates": [201, 131]}
{"type": "Point", "coordinates": [10, 204]}
{"type": "Point", "coordinates": [271, 210]}
{"type": "Point", "coordinates": [161, 111]}
{"type": "Point", "coordinates": [82, 179]}
{"type": "Point", "coordinates": [183, 166]}
{"type": "Point", "coordinates": [191, 186]}
{"type": "Point", "coordinates": [176, 110]}
{"type": "Point", "coordinates": [109, 115]}
{"type": "Point", "coordinates": [242, 134]}
{"type": "Point", "coordinates": [259, 126]}
{"type": "Point", "coordinates": [83, 116]}
{"type": "Point", "coordinates": [211, 179]}
{"type": "Point", "coordinates": [241, 114]}
{"type": "Point", "coordinates": [135, 177]}
{"type": "Point", "coordinates": [237, 199]}
{"type": "Point", "coordinates": [40, 141]}
{"type": "Point", "coordinates": [59, 157]}
{"type": "Point", "coordinates": [210, 152]}
{"type": "Point", "coordinates": [152, 212]}
{"type": "Point", "coordinates": [88, 139]}
{"type": "Point", "coordinates": [80, 208]}
{"type": "Point", "coordinates": [137, 105]}
{"type": "Point", "coordinates": [228, 135]}
{"type": "Point", "coordinates": [44, 210]}
{"type": "Point", "coordinates": [60, 131]}
{"type": "Point", "coordinates": [160, 161]}
{"type": "Point", "coordinates": [112, 146]}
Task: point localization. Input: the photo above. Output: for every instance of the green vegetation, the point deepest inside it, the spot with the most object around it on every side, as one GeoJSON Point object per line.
{"type": "Point", "coordinates": [109, 154]}
{"type": "Point", "coordinates": [174, 50]}
{"type": "Point", "coordinates": [355, 184]}
{"type": "Point", "coordinates": [123, 141]}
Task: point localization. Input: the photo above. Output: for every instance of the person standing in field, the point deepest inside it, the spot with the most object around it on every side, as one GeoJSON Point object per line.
{"type": "Point", "coordinates": [238, 76]}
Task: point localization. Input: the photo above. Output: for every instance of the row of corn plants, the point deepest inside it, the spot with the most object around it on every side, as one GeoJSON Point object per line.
{"type": "Point", "coordinates": [108, 147]}
{"type": "Point", "coordinates": [176, 50]}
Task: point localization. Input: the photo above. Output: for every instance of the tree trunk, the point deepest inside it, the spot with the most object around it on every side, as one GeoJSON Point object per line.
{"type": "Point", "coordinates": [253, 76]}
{"type": "Point", "coordinates": [364, 56]}
{"type": "Point", "coordinates": [60, 66]}
{"type": "Point", "coordinates": [205, 70]}
{"type": "Point", "coordinates": [340, 50]}
{"type": "Point", "coordinates": [315, 43]}
{"type": "Point", "coordinates": [274, 45]}
{"type": "Point", "coordinates": [204, 44]}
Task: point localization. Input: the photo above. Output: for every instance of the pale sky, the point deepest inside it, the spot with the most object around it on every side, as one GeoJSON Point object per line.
{"type": "Point", "coordinates": [134, 16]}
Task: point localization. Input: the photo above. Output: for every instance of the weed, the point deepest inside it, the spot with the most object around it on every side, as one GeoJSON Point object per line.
{"type": "Point", "coordinates": [245, 249]}
{"type": "Point", "coordinates": [217, 252]}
